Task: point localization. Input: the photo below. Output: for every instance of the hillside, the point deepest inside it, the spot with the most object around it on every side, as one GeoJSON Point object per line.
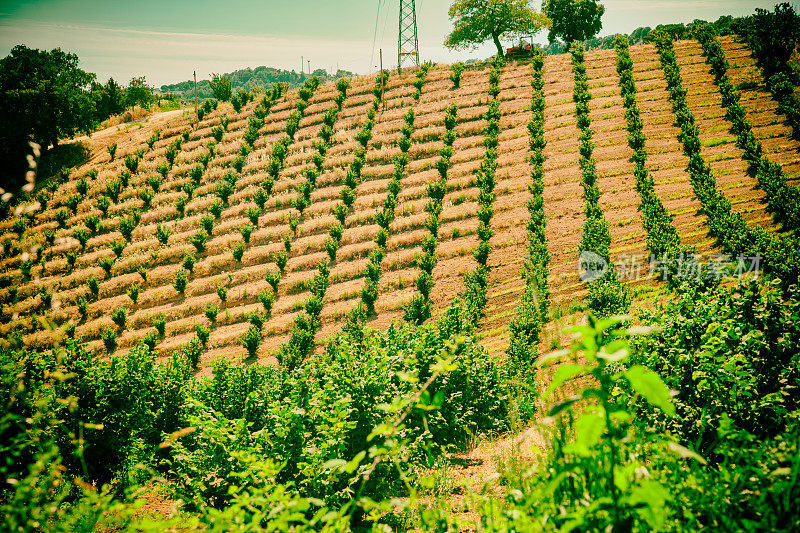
{"type": "Point", "coordinates": [55, 288]}
{"type": "Point", "coordinates": [248, 79]}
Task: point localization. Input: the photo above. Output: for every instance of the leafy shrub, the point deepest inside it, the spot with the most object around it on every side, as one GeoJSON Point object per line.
{"type": "Point", "coordinates": [180, 204]}
{"type": "Point", "coordinates": [192, 350]}
{"type": "Point", "coordinates": [109, 337]}
{"type": "Point", "coordinates": [119, 316]}
{"type": "Point", "coordinates": [455, 75]}
{"type": "Point", "coordinates": [251, 339]}
{"type": "Point", "coordinates": [222, 292]}
{"type": "Point", "coordinates": [273, 278]}
{"type": "Point", "coordinates": [238, 251]}
{"type": "Point", "coordinates": [160, 322]}
{"type": "Point", "coordinates": [267, 299]}
{"type": "Point", "coordinates": [162, 233]}
{"type": "Point", "coordinates": [81, 235]}
{"type": "Point", "coordinates": [207, 223]}
{"type": "Point", "coordinates": [112, 150]}
{"type": "Point", "coordinates": [126, 226]}
{"type": "Point", "coordinates": [103, 204]}
{"type": "Point", "coordinates": [133, 292]}
{"type": "Point", "coordinates": [246, 230]}
{"type": "Point", "coordinates": [211, 312]}
{"type": "Point", "coordinates": [118, 246]}
{"type": "Point", "coordinates": [202, 333]}
{"type": "Point", "coordinates": [132, 163]}
{"type": "Point", "coordinates": [180, 281]}
{"type": "Point", "coordinates": [188, 262]}
{"type": "Point", "coordinates": [94, 286]}
{"type": "Point", "coordinates": [215, 208]}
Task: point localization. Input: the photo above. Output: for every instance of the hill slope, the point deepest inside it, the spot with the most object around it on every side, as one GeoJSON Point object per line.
{"type": "Point", "coordinates": [59, 282]}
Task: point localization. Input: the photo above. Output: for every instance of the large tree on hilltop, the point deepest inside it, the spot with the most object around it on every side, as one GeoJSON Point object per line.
{"type": "Point", "coordinates": [477, 21]}
{"type": "Point", "coordinates": [573, 20]}
{"type": "Point", "coordinates": [44, 96]}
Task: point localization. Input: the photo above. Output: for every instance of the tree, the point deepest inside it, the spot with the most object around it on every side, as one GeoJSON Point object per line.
{"type": "Point", "coordinates": [573, 20]}
{"type": "Point", "coordinates": [773, 36]}
{"type": "Point", "coordinates": [44, 96]}
{"type": "Point", "coordinates": [476, 21]}
{"type": "Point", "coordinates": [138, 92]}
{"type": "Point", "coordinates": [221, 86]}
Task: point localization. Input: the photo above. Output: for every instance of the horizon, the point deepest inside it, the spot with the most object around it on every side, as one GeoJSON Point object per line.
{"type": "Point", "coordinates": [167, 42]}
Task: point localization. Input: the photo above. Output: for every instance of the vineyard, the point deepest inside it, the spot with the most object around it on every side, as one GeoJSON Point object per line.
{"type": "Point", "coordinates": [330, 308]}
{"type": "Point", "coordinates": [311, 204]}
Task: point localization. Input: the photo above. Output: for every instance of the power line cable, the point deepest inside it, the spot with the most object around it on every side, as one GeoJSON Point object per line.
{"type": "Point", "coordinates": [375, 35]}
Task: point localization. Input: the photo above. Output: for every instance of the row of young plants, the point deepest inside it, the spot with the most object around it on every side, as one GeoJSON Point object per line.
{"type": "Point", "coordinates": [607, 296]}
{"type": "Point", "coordinates": [119, 316]}
{"type": "Point", "coordinates": [772, 37]}
{"type": "Point", "coordinates": [224, 189]}
{"type": "Point", "coordinates": [531, 313]}
{"type": "Point", "coordinates": [251, 338]}
{"type": "Point", "coordinates": [782, 199]}
{"type": "Point", "coordinates": [662, 238]}
{"type": "Point", "coordinates": [418, 309]}
{"type": "Point", "coordinates": [476, 281]}
{"type": "Point", "coordinates": [194, 348]}
{"type": "Point", "coordinates": [780, 253]}
{"type": "Point", "coordinates": [385, 216]}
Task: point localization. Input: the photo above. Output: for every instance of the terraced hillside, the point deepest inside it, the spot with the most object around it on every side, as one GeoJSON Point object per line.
{"type": "Point", "coordinates": [281, 207]}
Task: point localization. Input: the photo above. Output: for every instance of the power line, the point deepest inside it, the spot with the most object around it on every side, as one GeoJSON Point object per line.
{"type": "Point", "coordinates": [375, 35]}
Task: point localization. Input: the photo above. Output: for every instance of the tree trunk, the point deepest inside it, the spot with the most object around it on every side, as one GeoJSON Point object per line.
{"type": "Point", "coordinates": [496, 39]}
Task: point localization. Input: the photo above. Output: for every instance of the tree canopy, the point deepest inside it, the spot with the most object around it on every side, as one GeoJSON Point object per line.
{"type": "Point", "coordinates": [44, 96]}
{"type": "Point", "coordinates": [573, 20]}
{"type": "Point", "coordinates": [139, 93]}
{"type": "Point", "coordinates": [221, 87]}
{"type": "Point", "coordinates": [477, 21]}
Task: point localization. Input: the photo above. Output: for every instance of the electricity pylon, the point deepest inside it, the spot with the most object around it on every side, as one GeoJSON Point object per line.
{"type": "Point", "coordinates": [407, 43]}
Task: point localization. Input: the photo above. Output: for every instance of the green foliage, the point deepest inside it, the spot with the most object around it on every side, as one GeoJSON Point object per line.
{"type": "Point", "coordinates": [251, 339]}
{"type": "Point", "coordinates": [112, 150]}
{"type": "Point", "coordinates": [267, 299]}
{"type": "Point", "coordinates": [573, 20]}
{"type": "Point", "coordinates": [132, 163]}
{"type": "Point", "coordinates": [237, 250]}
{"type": "Point", "coordinates": [246, 230]}
{"type": "Point", "coordinates": [207, 224]}
{"type": "Point", "coordinates": [119, 316]}
{"type": "Point", "coordinates": [118, 246]}
{"type": "Point", "coordinates": [133, 292]}
{"type": "Point", "coordinates": [215, 208]}
{"type": "Point", "coordinates": [159, 322]}
{"type": "Point", "coordinates": [222, 292]}
{"type": "Point", "coordinates": [281, 258]}
{"type": "Point", "coordinates": [221, 87]}
{"type": "Point", "coordinates": [607, 296]}
{"type": "Point", "coordinates": [162, 233]}
{"type": "Point", "coordinates": [474, 24]}
{"type": "Point", "coordinates": [180, 281]}
{"type": "Point", "coordinates": [188, 262]}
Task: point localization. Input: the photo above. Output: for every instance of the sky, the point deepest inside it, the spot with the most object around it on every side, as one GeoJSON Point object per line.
{"type": "Point", "coordinates": [166, 40]}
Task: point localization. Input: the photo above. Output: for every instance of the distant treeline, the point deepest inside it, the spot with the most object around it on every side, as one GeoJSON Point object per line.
{"type": "Point", "coordinates": [249, 79]}
{"type": "Point", "coordinates": [724, 25]}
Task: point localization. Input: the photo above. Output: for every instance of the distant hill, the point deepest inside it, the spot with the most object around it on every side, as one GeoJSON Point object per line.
{"type": "Point", "coordinates": [248, 79]}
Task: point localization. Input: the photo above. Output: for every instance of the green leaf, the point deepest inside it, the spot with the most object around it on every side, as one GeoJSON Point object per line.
{"type": "Point", "coordinates": [561, 406]}
{"type": "Point", "coordinates": [686, 453]}
{"type": "Point", "coordinates": [563, 373]}
{"type": "Point", "coordinates": [333, 464]}
{"type": "Point", "coordinates": [649, 384]}
{"type": "Point", "coordinates": [588, 430]}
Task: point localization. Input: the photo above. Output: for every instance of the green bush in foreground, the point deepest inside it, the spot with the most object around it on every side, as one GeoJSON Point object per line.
{"type": "Point", "coordinates": [351, 438]}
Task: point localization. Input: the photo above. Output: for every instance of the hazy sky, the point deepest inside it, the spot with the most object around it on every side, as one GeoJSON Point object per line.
{"type": "Point", "coordinates": [167, 39]}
